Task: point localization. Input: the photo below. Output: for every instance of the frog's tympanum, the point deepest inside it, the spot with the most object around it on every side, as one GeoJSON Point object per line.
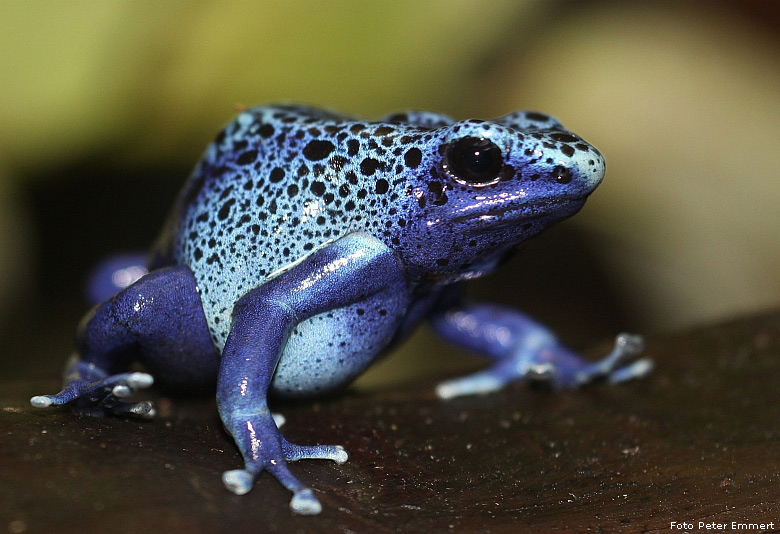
{"type": "Point", "coordinates": [306, 243]}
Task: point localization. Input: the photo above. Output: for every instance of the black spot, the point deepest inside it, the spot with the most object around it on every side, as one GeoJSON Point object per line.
{"type": "Point", "coordinates": [564, 138]}
{"type": "Point", "coordinates": [361, 311]}
{"type": "Point", "coordinates": [353, 146]}
{"type": "Point", "coordinates": [382, 186]}
{"type": "Point", "coordinates": [226, 193]}
{"type": "Point", "coordinates": [383, 130]}
{"type": "Point", "coordinates": [567, 150]}
{"type": "Point", "coordinates": [369, 166]}
{"type": "Point", "coordinates": [318, 188]}
{"type": "Point", "coordinates": [443, 262]}
{"type": "Point", "coordinates": [398, 117]}
{"type": "Point", "coordinates": [328, 198]}
{"type": "Point", "coordinates": [582, 146]}
{"type": "Point", "coordinates": [198, 254]}
{"type": "Point", "coordinates": [349, 206]}
{"type": "Point", "coordinates": [561, 174]}
{"type": "Point", "coordinates": [247, 157]}
{"type": "Point", "coordinates": [277, 175]}
{"type": "Point", "coordinates": [303, 170]}
{"type": "Point", "coordinates": [362, 193]}
{"type": "Point", "coordinates": [538, 117]}
{"type": "Point", "coordinates": [351, 178]}
{"type": "Point", "coordinates": [344, 191]}
{"type": "Point", "coordinates": [413, 157]}
{"type": "Point", "coordinates": [317, 150]}
{"type": "Point", "coordinates": [507, 173]}
{"type": "Point", "coordinates": [266, 130]}
{"type": "Point", "coordinates": [292, 190]}
{"type": "Point", "coordinates": [224, 211]}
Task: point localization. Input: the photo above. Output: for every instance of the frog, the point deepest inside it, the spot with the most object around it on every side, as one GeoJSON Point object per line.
{"type": "Point", "coordinates": [306, 244]}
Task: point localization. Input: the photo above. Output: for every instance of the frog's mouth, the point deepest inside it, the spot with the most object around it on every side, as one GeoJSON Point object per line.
{"type": "Point", "coordinates": [511, 216]}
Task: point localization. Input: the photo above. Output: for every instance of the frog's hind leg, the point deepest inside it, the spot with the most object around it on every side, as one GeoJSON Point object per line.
{"type": "Point", "coordinates": [521, 349]}
{"type": "Point", "coordinates": [159, 318]}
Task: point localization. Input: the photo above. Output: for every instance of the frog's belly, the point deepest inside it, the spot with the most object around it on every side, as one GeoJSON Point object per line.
{"type": "Point", "coordinates": [331, 349]}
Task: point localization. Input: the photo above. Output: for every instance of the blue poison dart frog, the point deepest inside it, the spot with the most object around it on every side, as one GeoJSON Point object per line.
{"type": "Point", "coordinates": [307, 243]}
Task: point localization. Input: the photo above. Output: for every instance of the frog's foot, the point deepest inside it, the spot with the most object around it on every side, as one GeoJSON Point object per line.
{"type": "Point", "coordinates": [303, 502]}
{"type": "Point", "coordinates": [555, 365]}
{"type": "Point", "coordinates": [102, 397]}
{"type": "Point", "coordinates": [609, 368]}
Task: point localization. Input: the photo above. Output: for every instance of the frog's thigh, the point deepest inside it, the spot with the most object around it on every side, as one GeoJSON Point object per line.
{"type": "Point", "coordinates": [161, 319]}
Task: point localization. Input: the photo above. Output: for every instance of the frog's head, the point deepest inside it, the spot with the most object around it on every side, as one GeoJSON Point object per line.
{"type": "Point", "coordinates": [482, 187]}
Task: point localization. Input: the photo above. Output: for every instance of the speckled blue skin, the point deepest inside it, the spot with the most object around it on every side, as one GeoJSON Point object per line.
{"type": "Point", "coordinates": [306, 243]}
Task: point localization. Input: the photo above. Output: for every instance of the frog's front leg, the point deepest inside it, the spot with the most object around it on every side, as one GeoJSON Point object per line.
{"type": "Point", "coordinates": [521, 348]}
{"type": "Point", "coordinates": [345, 272]}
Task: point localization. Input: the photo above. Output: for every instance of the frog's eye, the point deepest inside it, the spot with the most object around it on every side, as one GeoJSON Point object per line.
{"type": "Point", "coordinates": [474, 160]}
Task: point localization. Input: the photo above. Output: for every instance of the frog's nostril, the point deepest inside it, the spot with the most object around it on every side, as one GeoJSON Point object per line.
{"type": "Point", "coordinates": [561, 174]}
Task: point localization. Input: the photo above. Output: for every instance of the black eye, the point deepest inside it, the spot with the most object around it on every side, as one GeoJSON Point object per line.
{"type": "Point", "coordinates": [474, 160]}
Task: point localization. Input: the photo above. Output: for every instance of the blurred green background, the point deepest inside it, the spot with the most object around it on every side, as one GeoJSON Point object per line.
{"type": "Point", "coordinates": [106, 105]}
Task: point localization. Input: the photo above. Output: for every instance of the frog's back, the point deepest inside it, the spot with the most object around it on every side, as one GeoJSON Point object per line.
{"type": "Point", "coordinates": [276, 184]}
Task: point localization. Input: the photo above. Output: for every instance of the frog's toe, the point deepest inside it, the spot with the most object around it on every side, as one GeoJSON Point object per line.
{"type": "Point", "coordinates": [279, 419]}
{"type": "Point", "coordinates": [144, 409]}
{"type": "Point", "coordinates": [238, 481]}
{"type": "Point", "coordinates": [638, 369]}
{"type": "Point", "coordinates": [42, 401]}
{"type": "Point", "coordinates": [139, 380]}
{"type": "Point", "coordinates": [630, 344]}
{"type": "Point", "coordinates": [293, 452]}
{"type": "Point", "coordinates": [478, 383]}
{"type": "Point", "coordinates": [305, 503]}
{"type": "Point", "coordinates": [126, 386]}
